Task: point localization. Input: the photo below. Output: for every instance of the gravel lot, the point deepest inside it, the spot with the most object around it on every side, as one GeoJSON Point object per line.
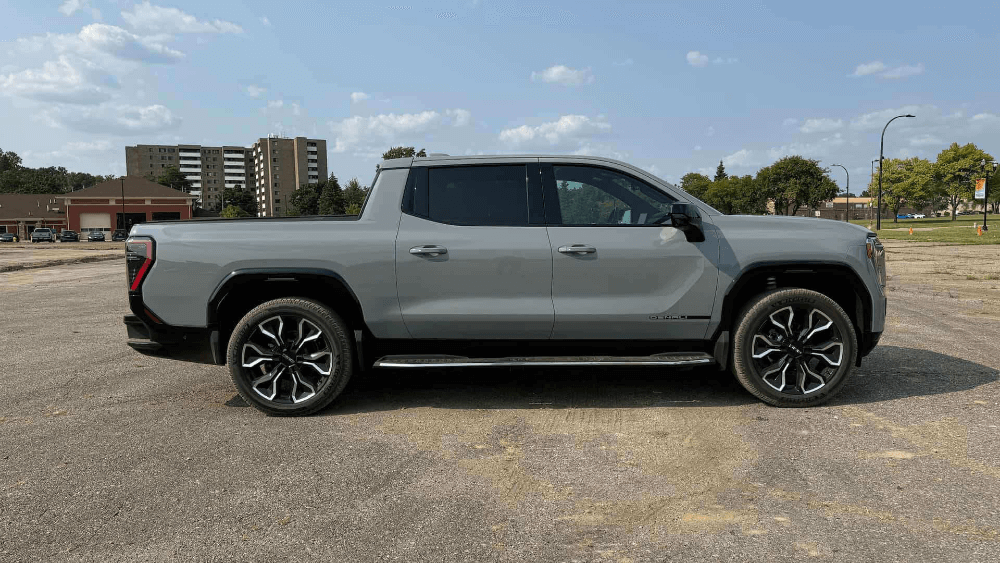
{"type": "Point", "coordinates": [111, 456]}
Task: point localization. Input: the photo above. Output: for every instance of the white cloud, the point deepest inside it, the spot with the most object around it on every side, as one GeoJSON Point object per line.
{"type": "Point", "coordinates": [265, 21]}
{"type": "Point", "coordinates": [564, 75]}
{"type": "Point", "coordinates": [865, 69]}
{"type": "Point", "coordinates": [568, 129]}
{"type": "Point", "coordinates": [358, 97]}
{"type": "Point", "coordinates": [88, 146]}
{"type": "Point", "coordinates": [159, 19]}
{"type": "Point", "coordinates": [120, 43]}
{"type": "Point", "coordinates": [67, 80]}
{"type": "Point", "coordinates": [255, 91]}
{"type": "Point", "coordinates": [741, 157]}
{"type": "Point", "coordinates": [275, 103]}
{"type": "Point", "coordinates": [296, 109]}
{"type": "Point", "coordinates": [653, 169]}
{"type": "Point", "coordinates": [985, 118]}
{"type": "Point", "coordinates": [366, 132]}
{"type": "Point", "coordinates": [876, 120]}
{"type": "Point", "coordinates": [926, 140]}
{"type": "Point", "coordinates": [878, 68]}
{"type": "Point", "coordinates": [460, 117]}
{"type": "Point", "coordinates": [694, 58]}
{"type": "Point", "coordinates": [114, 119]}
{"type": "Point", "coordinates": [600, 149]}
{"type": "Point", "coordinates": [904, 71]}
{"type": "Point", "coordinates": [822, 125]}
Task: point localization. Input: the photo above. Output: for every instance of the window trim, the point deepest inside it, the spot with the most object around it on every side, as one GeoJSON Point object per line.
{"type": "Point", "coordinates": [419, 179]}
{"type": "Point", "coordinates": [553, 213]}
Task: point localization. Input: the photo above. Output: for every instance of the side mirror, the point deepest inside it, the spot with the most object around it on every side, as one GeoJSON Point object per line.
{"type": "Point", "coordinates": [686, 218]}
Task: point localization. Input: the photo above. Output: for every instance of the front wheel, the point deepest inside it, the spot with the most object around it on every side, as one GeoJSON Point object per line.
{"type": "Point", "coordinates": [290, 357]}
{"type": "Point", "coordinates": [794, 348]}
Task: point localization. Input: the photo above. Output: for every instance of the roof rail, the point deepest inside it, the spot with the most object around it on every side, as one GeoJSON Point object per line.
{"type": "Point", "coordinates": [438, 154]}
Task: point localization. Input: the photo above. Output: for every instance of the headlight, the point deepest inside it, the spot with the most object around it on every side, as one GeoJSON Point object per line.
{"type": "Point", "coordinates": [876, 253]}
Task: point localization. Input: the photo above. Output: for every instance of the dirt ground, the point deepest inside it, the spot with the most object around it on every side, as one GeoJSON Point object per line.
{"type": "Point", "coordinates": [968, 274]}
{"type": "Point", "coordinates": [107, 455]}
{"type": "Point", "coordinates": [25, 255]}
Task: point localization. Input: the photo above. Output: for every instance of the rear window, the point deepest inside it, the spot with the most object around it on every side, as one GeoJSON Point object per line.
{"type": "Point", "coordinates": [478, 195]}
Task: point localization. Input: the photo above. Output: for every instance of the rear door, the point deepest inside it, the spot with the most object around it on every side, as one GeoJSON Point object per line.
{"type": "Point", "coordinates": [620, 271]}
{"type": "Point", "coordinates": [469, 264]}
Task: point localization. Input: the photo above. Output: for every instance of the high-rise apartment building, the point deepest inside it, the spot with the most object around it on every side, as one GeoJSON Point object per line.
{"type": "Point", "coordinates": [210, 169]}
{"type": "Point", "coordinates": [280, 165]}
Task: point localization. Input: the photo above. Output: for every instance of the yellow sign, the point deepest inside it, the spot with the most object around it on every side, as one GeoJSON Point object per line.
{"type": "Point", "coordinates": [980, 188]}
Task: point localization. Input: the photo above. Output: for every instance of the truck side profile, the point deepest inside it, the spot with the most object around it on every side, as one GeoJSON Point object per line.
{"type": "Point", "coordinates": [509, 260]}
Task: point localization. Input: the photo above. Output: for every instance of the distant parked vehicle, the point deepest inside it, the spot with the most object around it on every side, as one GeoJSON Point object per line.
{"type": "Point", "coordinates": [119, 235]}
{"type": "Point", "coordinates": [8, 237]}
{"type": "Point", "coordinates": [919, 216]}
{"type": "Point", "coordinates": [69, 236]}
{"type": "Point", "coordinates": [96, 236]}
{"type": "Point", "coordinates": [906, 216]}
{"type": "Point", "coordinates": [42, 235]}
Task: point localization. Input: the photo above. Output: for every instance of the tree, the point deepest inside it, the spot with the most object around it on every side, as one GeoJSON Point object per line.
{"type": "Point", "coordinates": [956, 170]}
{"type": "Point", "coordinates": [174, 178]}
{"type": "Point", "coordinates": [720, 173]}
{"type": "Point", "coordinates": [402, 152]}
{"type": "Point", "coordinates": [737, 195]}
{"type": "Point", "coordinates": [233, 211]}
{"type": "Point", "coordinates": [242, 198]}
{"type": "Point", "coordinates": [695, 184]}
{"type": "Point", "coordinates": [331, 199]}
{"type": "Point", "coordinates": [304, 201]}
{"type": "Point", "coordinates": [354, 196]}
{"type": "Point", "coordinates": [794, 181]}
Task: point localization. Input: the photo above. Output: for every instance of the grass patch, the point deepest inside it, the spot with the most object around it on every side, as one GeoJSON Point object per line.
{"type": "Point", "coordinates": [943, 229]}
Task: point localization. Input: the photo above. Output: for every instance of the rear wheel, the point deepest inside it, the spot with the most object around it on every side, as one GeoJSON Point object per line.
{"type": "Point", "coordinates": [290, 357]}
{"type": "Point", "coordinates": [794, 348]}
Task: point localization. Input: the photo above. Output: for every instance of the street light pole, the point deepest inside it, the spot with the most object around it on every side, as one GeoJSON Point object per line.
{"type": "Point", "coordinates": [848, 214]}
{"type": "Point", "coordinates": [123, 201]}
{"type": "Point", "coordinates": [986, 189]}
{"type": "Point", "coordinates": [881, 148]}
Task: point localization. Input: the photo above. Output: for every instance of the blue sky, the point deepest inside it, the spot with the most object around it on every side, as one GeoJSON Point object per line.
{"type": "Point", "coordinates": [671, 87]}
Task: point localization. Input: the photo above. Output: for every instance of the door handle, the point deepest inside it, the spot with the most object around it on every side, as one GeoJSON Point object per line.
{"type": "Point", "coordinates": [431, 250]}
{"type": "Point", "coordinates": [577, 249]}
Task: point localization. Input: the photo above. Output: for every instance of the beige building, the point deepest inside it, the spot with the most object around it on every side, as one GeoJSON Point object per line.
{"type": "Point", "coordinates": [210, 169]}
{"type": "Point", "coordinates": [280, 165]}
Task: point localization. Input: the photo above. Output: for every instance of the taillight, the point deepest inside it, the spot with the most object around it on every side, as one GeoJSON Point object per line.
{"type": "Point", "coordinates": [138, 258]}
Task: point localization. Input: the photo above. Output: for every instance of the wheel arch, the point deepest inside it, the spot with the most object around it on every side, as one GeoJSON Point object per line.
{"type": "Point", "coordinates": [836, 280]}
{"type": "Point", "coordinates": [242, 290]}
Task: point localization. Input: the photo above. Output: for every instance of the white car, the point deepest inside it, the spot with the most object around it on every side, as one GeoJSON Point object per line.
{"type": "Point", "coordinates": [919, 216]}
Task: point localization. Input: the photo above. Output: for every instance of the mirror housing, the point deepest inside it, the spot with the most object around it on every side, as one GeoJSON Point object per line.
{"type": "Point", "coordinates": [686, 218]}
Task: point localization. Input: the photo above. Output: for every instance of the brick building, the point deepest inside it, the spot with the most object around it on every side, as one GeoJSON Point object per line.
{"type": "Point", "coordinates": [100, 207]}
{"type": "Point", "coordinates": [279, 165]}
{"type": "Point", "coordinates": [22, 213]}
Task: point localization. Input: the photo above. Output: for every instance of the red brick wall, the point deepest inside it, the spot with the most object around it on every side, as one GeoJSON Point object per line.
{"type": "Point", "coordinates": [73, 212]}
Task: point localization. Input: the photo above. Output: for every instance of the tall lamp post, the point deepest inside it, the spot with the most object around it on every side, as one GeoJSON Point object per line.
{"type": "Point", "coordinates": [847, 216]}
{"type": "Point", "coordinates": [870, 182]}
{"type": "Point", "coordinates": [123, 202]}
{"type": "Point", "coordinates": [987, 167]}
{"type": "Point", "coordinates": [881, 147]}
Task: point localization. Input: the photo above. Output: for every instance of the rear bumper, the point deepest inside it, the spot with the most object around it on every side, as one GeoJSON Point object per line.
{"type": "Point", "coordinates": [179, 343]}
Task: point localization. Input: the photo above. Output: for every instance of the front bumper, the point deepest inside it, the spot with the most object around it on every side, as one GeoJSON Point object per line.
{"type": "Point", "coordinates": [178, 343]}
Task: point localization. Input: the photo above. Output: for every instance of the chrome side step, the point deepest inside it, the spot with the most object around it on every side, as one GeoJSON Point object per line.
{"type": "Point", "coordinates": [669, 359]}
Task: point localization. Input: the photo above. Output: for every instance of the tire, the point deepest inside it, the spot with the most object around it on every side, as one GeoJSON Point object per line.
{"type": "Point", "coordinates": [281, 366]}
{"type": "Point", "coordinates": [812, 366]}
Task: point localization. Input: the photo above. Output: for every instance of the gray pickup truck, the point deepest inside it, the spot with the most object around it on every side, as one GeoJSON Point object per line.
{"type": "Point", "coordinates": [509, 261]}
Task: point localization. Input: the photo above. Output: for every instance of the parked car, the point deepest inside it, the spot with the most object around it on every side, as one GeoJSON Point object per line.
{"type": "Point", "coordinates": [904, 216]}
{"type": "Point", "coordinates": [484, 261]}
{"type": "Point", "coordinates": [919, 216]}
{"type": "Point", "coordinates": [8, 237]}
{"type": "Point", "coordinates": [94, 236]}
{"type": "Point", "coordinates": [42, 235]}
{"type": "Point", "coordinates": [69, 236]}
{"type": "Point", "coordinates": [119, 235]}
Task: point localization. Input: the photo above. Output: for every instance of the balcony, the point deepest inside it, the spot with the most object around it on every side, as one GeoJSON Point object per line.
{"type": "Point", "coordinates": [189, 152]}
{"type": "Point", "coordinates": [312, 149]}
{"type": "Point", "coordinates": [190, 169]}
{"type": "Point", "coordinates": [193, 178]}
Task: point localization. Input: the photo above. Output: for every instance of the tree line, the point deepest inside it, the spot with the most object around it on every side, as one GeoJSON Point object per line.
{"type": "Point", "coordinates": [943, 184]}
{"type": "Point", "coordinates": [790, 183]}
{"type": "Point", "coordinates": [15, 178]}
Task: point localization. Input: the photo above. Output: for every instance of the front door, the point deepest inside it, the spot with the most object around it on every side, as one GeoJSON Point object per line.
{"type": "Point", "coordinates": [468, 265]}
{"type": "Point", "coordinates": [619, 270]}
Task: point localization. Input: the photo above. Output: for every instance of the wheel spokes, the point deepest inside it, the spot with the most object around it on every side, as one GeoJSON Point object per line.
{"type": "Point", "coordinates": [270, 377]}
{"type": "Point", "coordinates": [771, 346]}
{"type": "Point", "coordinates": [788, 327]}
{"type": "Point", "coordinates": [276, 336]}
{"type": "Point", "coordinates": [301, 336]}
{"type": "Point", "coordinates": [783, 357]}
{"type": "Point", "coordinates": [831, 352]}
{"type": "Point", "coordinates": [290, 367]}
{"type": "Point", "coordinates": [829, 323]}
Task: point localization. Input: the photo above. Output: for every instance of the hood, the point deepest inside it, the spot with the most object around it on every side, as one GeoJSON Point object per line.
{"type": "Point", "coordinates": [815, 226]}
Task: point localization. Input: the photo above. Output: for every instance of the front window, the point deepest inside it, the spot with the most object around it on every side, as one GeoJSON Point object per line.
{"type": "Point", "coordinates": [596, 196]}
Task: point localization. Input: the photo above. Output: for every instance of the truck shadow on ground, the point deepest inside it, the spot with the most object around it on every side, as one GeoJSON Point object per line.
{"type": "Point", "coordinates": [890, 372]}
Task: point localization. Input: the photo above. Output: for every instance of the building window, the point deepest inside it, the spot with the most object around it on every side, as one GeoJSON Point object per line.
{"type": "Point", "coordinates": [277, 200]}
{"type": "Point", "coordinates": [829, 204]}
{"type": "Point", "coordinates": [276, 184]}
{"type": "Point", "coordinates": [150, 149]}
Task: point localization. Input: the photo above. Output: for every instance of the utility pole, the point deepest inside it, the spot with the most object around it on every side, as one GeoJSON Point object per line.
{"type": "Point", "coordinates": [847, 216]}
{"type": "Point", "coordinates": [881, 148]}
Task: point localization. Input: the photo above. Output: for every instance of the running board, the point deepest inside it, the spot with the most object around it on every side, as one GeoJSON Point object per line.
{"type": "Point", "coordinates": [670, 359]}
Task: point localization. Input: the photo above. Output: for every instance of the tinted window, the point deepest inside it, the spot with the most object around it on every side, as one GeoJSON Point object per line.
{"type": "Point", "coordinates": [478, 195]}
{"type": "Point", "coordinates": [596, 196]}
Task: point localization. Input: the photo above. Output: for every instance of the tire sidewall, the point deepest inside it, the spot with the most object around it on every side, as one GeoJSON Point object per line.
{"type": "Point", "coordinates": [326, 320]}
{"type": "Point", "coordinates": [757, 313]}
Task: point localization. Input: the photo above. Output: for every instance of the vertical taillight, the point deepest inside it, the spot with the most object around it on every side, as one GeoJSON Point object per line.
{"type": "Point", "coordinates": [138, 258]}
